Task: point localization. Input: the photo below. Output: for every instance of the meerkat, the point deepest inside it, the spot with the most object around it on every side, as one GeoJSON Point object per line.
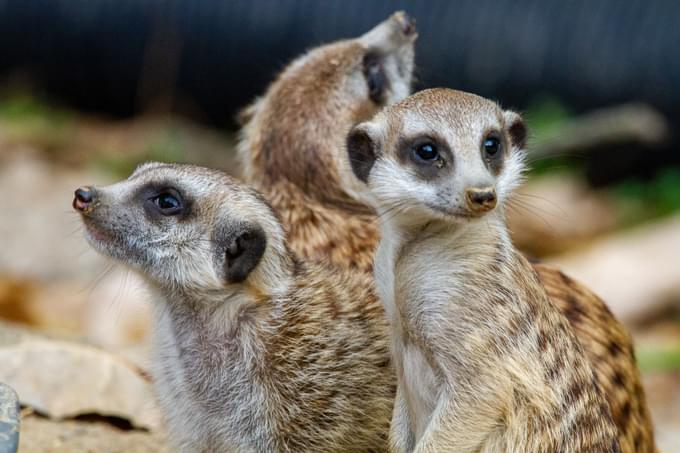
{"type": "Point", "coordinates": [485, 362]}
{"type": "Point", "coordinates": [254, 350]}
{"type": "Point", "coordinates": [292, 149]}
{"type": "Point", "coordinates": [290, 136]}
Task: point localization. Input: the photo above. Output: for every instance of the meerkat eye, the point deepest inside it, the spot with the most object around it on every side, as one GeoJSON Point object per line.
{"type": "Point", "coordinates": [168, 202]}
{"type": "Point", "coordinates": [492, 147]}
{"type": "Point", "coordinates": [426, 152]}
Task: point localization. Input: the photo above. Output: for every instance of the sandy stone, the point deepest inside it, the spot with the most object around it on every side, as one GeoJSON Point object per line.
{"type": "Point", "coordinates": [637, 272]}
{"type": "Point", "coordinates": [64, 379]}
{"type": "Point", "coordinates": [40, 435]}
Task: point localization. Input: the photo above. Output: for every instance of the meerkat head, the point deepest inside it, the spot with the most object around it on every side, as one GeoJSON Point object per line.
{"type": "Point", "coordinates": [186, 227]}
{"type": "Point", "coordinates": [295, 130]}
{"type": "Point", "coordinates": [441, 154]}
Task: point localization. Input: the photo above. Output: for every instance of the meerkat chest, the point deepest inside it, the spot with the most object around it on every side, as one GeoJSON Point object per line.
{"type": "Point", "coordinates": [419, 385]}
{"type": "Point", "coordinates": [414, 291]}
{"type": "Point", "coordinates": [384, 270]}
{"type": "Point", "coordinates": [199, 392]}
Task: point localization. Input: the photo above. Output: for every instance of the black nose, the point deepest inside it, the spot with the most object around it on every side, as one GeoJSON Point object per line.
{"type": "Point", "coordinates": [84, 199]}
{"type": "Point", "coordinates": [408, 24]}
{"type": "Point", "coordinates": [481, 200]}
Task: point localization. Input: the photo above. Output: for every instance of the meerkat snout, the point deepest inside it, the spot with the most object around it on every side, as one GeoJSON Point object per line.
{"type": "Point", "coordinates": [480, 199]}
{"type": "Point", "coordinates": [84, 199]}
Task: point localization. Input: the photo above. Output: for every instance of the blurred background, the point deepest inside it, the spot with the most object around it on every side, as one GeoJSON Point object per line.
{"type": "Point", "coordinates": [90, 88]}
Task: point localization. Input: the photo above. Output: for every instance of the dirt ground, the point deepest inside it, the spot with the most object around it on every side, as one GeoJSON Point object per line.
{"type": "Point", "coordinates": [40, 435]}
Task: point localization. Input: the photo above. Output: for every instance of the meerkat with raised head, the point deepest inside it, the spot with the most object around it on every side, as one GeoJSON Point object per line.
{"type": "Point", "coordinates": [485, 362]}
{"type": "Point", "coordinates": [292, 148]}
{"type": "Point", "coordinates": [291, 134]}
{"type": "Point", "coordinates": [253, 349]}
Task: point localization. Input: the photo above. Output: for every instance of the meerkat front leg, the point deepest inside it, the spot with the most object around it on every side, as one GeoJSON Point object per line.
{"type": "Point", "coordinates": [402, 439]}
{"type": "Point", "coordinates": [458, 426]}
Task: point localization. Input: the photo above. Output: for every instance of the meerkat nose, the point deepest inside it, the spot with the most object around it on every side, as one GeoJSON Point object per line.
{"type": "Point", "coordinates": [407, 23]}
{"type": "Point", "coordinates": [481, 200]}
{"type": "Point", "coordinates": [84, 199]}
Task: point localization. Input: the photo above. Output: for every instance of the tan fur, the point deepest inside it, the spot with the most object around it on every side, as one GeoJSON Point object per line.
{"type": "Point", "coordinates": [326, 223]}
{"type": "Point", "coordinates": [609, 349]}
{"type": "Point", "coordinates": [468, 315]}
{"type": "Point", "coordinates": [291, 359]}
{"type": "Point", "coordinates": [289, 144]}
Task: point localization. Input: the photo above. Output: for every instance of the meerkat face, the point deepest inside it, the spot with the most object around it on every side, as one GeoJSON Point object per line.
{"type": "Point", "coordinates": [182, 226]}
{"type": "Point", "coordinates": [386, 60]}
{"type": "Point", "coordinates": [439, 153]}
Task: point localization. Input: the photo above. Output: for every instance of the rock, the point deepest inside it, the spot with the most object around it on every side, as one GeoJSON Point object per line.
{"type": "Point", "coordinates": [63, 379]}
{"type": "Point", "coordinates": [636, 272]}
{"type": "Point", "coordinates": [9, 420]}
{"type": "Point", "coordinates": [41, 435]}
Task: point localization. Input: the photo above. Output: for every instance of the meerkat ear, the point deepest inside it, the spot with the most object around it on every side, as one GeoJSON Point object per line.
{"type": "Point", "coordinates": [362, 148]}
{"type": "Point", "coordinates": [244, 247]}
{"type": "Point", "coordinates": [516, 129]}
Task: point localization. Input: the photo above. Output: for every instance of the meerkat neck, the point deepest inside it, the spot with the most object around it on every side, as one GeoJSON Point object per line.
{"type": "Point", "coordinates": [468, 248]}
{"type": "Point", "coordinates": [479, 236]}
{"type": "Point", "coordinates": [226, 309]}
{"type": "Point", "coordinates": [219, 312]}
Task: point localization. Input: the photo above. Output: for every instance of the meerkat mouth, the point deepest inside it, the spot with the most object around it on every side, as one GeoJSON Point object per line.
{"type": "Point", "coordinates": [108, 243]}
{"type": "Point", "coordinates": [95, 234]}
{"type": "Point", "coordinates": [459, 214]}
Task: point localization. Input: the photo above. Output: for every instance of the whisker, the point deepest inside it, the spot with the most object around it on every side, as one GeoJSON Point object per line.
{"type": "Point", "coordinates": [522, 209]}
{"type": "Point", "coordinates": [117, 299]}
{"type": "Point", "coordinates": [98, 279]}
{"type": "Point", "coordinates": [562, 215]}
{"type": "Point", "coordinates": [78, 229]}
{"type": "Point", "coordinates": [538, 197]}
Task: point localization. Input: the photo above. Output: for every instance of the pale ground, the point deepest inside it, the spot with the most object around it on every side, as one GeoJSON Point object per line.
{"type": "Point", "coordinates": [39, 435]}
{"type": "Point", "coordinates": [63, 288]}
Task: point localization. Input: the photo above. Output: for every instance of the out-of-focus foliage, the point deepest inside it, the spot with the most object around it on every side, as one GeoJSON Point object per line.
{"type": "Point", "coordinates": [166, 145]}
{"type": "Point", "coordinates": [543, 117]}
{"type": "Point", "coordinates": [25, 119]}
{"type": "Point", "coordinates": [658, 359]}
{"type": "Point", "coordinates": [113, 147]}
{"type": "Point", "coordinates": [643, 200]}
{"type": "Point", "coordinates": [639, 200]}
{"type": "Point", "coordinates": [545, 114]}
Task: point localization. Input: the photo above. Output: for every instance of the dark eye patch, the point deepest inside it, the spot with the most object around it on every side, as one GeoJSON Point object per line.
{"type": "Point", "coordinates": [493, 151]}
{"type": "Point", "coordinates": [375, 76]}
{"type": "Point", "coordinates": [428, 155]}
{"type": "Point", "coordinates": [163, 200]}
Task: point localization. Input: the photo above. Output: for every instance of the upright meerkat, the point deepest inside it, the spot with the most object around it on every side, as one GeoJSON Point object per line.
{"type": "Point", "coordinates": [485, 362]}
{"type": "Point", "coordinates": [291, 137]}
{"type": "Point", "coordinates": [292, 148]}
{"type": "Point", "coordinates": [253, 349]}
